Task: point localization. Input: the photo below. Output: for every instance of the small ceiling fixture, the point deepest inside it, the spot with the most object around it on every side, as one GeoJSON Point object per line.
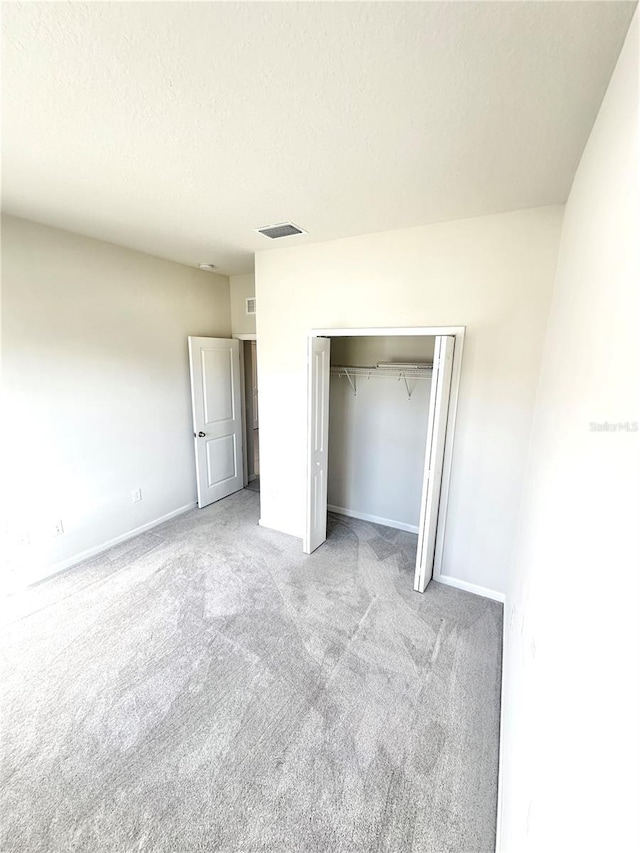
{"type": "Point", "coordinates": [284, 229]}
{"type": "Point", "coordinates": [208, 267]}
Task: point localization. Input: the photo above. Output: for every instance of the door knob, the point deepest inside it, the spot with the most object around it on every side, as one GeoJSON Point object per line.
{"type": "Point", "coordinates": [201, 434]}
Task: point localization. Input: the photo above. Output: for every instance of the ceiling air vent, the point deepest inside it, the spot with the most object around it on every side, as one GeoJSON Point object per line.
{"type": "Point", "coordinates": [251, 305]}
{"type": "Point", "coordinates": [285, 229]}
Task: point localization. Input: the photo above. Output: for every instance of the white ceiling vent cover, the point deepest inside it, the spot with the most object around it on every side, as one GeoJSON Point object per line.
{"type": "Point", "coordinates": [251, 305]}
{"type": "Point", "coordinates": [284, 229]}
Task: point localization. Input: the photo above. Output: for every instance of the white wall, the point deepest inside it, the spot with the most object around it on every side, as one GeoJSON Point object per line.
{"type": "Point", "coordinates": [242, 286]}
{"type": "Point", "coordinates": [377, 437]}
{"type": "Point", "coordinates": [570, 764]}
{"type": "Point", "coordinates": [96, 381]}
{"type": "Point", "coordinates": [492, 274]}
{"type": "Point", "coordinates": [369, 350]}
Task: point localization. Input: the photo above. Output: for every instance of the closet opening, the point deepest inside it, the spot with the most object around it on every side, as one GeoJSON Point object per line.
{"type": "Point", "coordinates": [251, 415]}
{"type": "Point", "coordinates": [381, 416]}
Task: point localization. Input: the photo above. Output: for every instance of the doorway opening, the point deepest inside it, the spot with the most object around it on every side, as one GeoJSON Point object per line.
{"type": "Point", "coordinates": [381, 418]}
{"type": "Point", "coordinates": [224, 395]}
{"type": "Point", "coordinates": [251, 415]}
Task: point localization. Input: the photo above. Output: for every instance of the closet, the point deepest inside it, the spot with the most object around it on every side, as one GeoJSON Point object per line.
{"type": "Point", "coordinates": [381, 408]}
{"type": "Point", "coordinates": [378, 415]}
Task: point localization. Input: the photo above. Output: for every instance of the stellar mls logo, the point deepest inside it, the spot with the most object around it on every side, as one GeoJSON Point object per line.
{"type": "Point", "coordinates": [618, 426]}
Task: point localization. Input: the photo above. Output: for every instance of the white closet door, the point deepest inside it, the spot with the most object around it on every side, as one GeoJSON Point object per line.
{"type": "Point", "coordinates": [217, 417]}
{"type": "Point", "coordinates": [317, 443]}
{"type": "Point", "coordinates": [434, 459]}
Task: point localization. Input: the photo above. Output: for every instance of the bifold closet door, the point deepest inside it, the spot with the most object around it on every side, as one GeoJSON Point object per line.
{"type": "Point", "coordinates": [317, 443]}
{"type": "Point", "coordinates": [434, 459]}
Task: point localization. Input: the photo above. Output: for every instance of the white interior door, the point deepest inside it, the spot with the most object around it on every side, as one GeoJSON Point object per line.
{"type": "Point", "coordinates": [317, 443]}
{"type": "Point", "coordinates": [217, 417]}
{"type": "Point", "coordinates": [434, 459]}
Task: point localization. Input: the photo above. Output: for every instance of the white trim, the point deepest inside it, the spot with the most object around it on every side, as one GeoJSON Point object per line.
{"type": "Point", "coordinates": [375, 519]}
{"type": "Point", "coordinates": [471, 587]}
{"type": "Point", "coordinates": [243, 399]}
{"type": "Point", "coordinates": [391, 330]}
{"type": "Point", "coordinates": [130, 534]}
{"type": "Point", "coordinates": [243, 414]}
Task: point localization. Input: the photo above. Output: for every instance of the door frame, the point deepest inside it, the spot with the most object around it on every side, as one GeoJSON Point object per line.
{"type": "Point", "coordinates": [458, 332]}
{"type": "Point", "coordinates": [243, 395]}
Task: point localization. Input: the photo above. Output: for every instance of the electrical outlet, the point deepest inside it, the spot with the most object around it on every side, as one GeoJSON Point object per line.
{"type": "Point", "coordinates": [57, 529]}
{"type": "Point", "coordinates": [136, 495]}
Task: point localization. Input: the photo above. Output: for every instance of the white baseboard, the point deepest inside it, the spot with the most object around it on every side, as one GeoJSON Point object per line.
{"type": "Point", "coordinates": [130, 534]}
{"type": "Point", "coordinates": [470, 587]}
{"type": "Point", "coordinates": [375, 519]}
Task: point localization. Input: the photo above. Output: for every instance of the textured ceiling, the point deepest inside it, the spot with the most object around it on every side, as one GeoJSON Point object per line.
{"type": "Point", "coordinates": [177, 128]}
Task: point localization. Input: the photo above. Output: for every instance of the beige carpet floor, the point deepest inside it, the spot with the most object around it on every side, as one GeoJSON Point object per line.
{"type": "Point", "coordinates": [207, 687]}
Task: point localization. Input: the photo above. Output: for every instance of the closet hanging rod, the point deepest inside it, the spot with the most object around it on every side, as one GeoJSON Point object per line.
{"type": "Point", "coordinates": [400, 373]}
{"type": "Point", "coordinates": [397, 372]}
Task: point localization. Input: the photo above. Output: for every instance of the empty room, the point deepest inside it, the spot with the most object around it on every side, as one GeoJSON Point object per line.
{"type": "Point", "coordinates": [320, 462]}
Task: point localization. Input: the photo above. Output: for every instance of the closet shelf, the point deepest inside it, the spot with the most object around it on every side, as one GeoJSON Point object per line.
{"type": "Point", "coordinates": [389, 371]}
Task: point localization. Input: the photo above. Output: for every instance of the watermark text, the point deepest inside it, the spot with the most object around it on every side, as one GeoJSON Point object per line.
{"type": "Point", "coordinates": [613, 426]}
